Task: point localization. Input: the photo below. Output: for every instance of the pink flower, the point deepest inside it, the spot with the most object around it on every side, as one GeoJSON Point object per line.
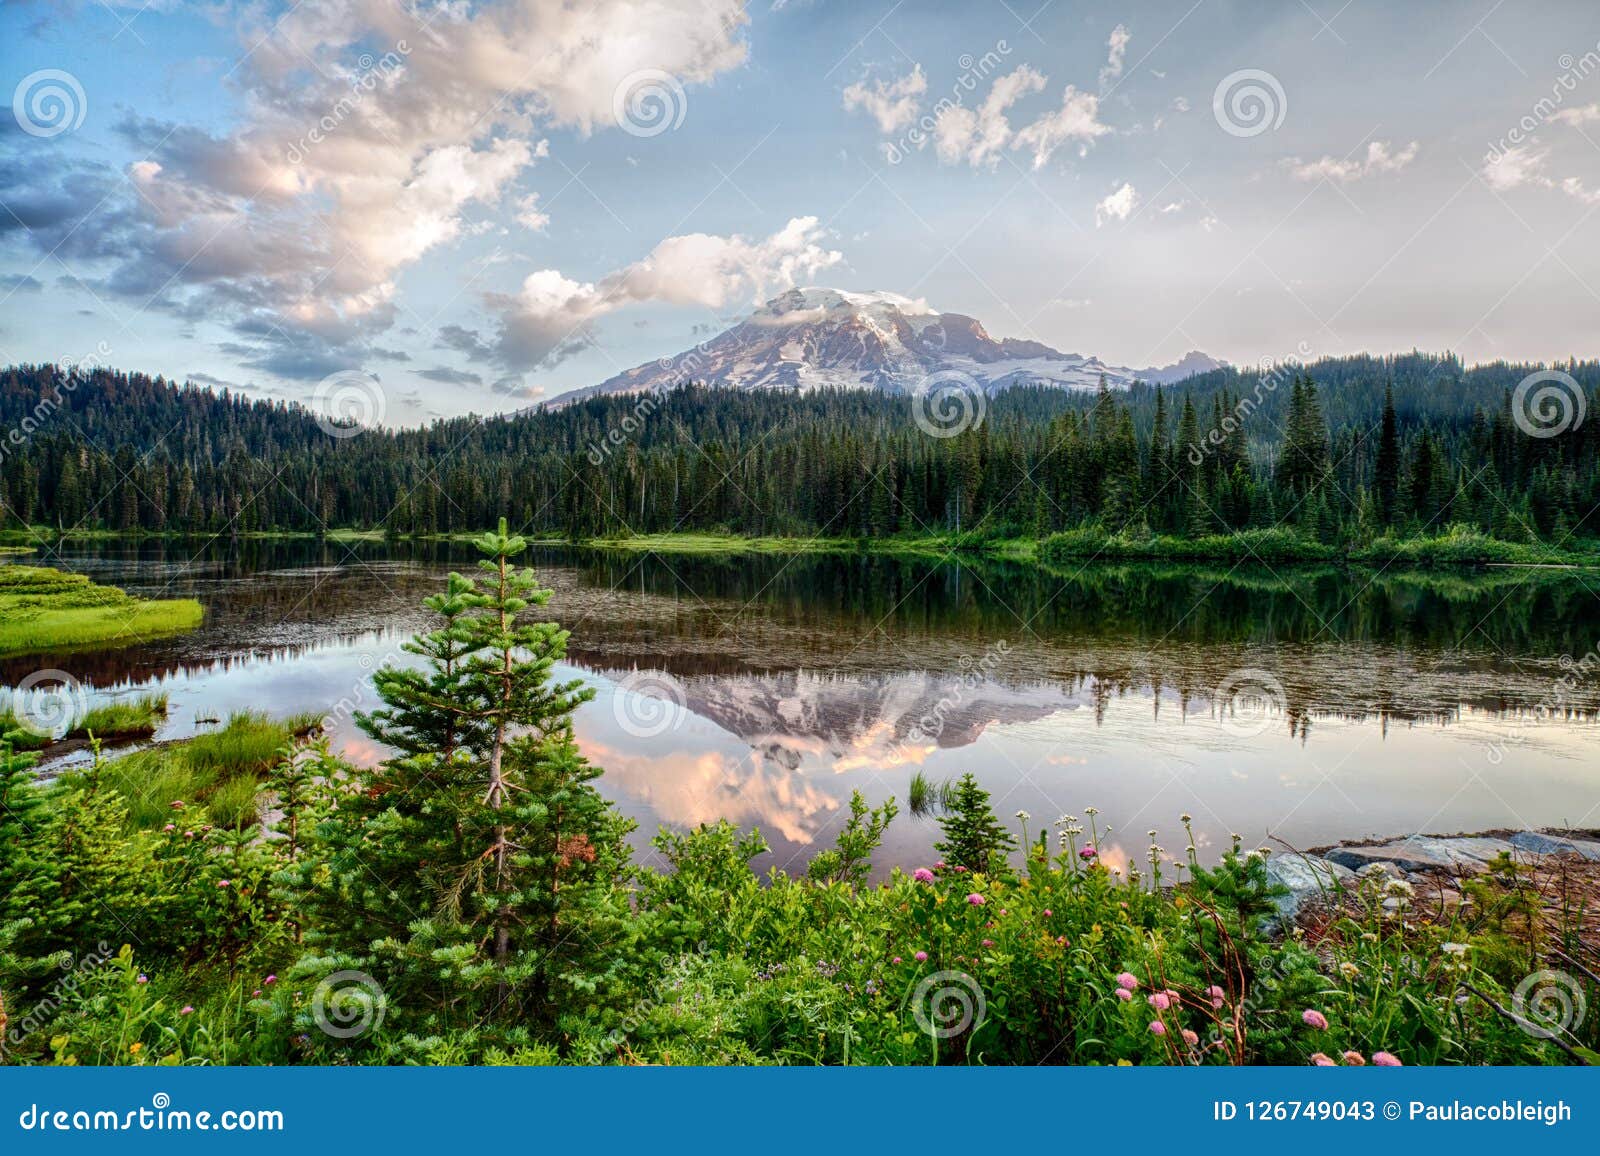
{"type": "Point", "coordinates": [176, 804]}
{"type": "Point", "coordinates": [223, 882]}
{"type": "Point", "coordinates": [1216, 994]}
{"type": "Point", "coordinates": [1174, 996]}
{"type": "Point", "coordinates": [961, 870]}
{"type": "Point", "coordinates": [1159, 1001]}
{"type": "Point", "coordinates": [1157, 1028]}
{"type": "Point", "coordinates": [1386, 1060]}
{"type": "Point", "coordinates": [921, 957]}
{"type": "Point", "coordinates": [897, 959]}
{"type": "Point", "coordinates": [169, 827]}
{"type": "Point", "coordinates": [1048, 913]}
{"type": "Point", "coordinates": [270, 979]}
{"type": "Point", "coordinates": [1003, 911]}
{"type": "Point", "coordinates": [1063, 941]}
{"type": "Point", "coordinates": [1124, 994]}
{"type": "Point", "coordinates": [188, 834]}
{"type": "Point", "coordinates": [988, 943]}
{"type": "Point", "coordinates": [1314, 1019]}
{"type": "Point", "coordinates": [922, 875]}
{"type": "Point", "coordinates": [1128, 981]}
{"type": "Point", "coordinates": [1322, 1061]}
{"type": "Point", "coordinates": [256, 994]}
{"type": "Point", "coordinates": [143, 979]}
{"type": "Point", "coordinates": [940, 865]}
{"type": "Point", "coordinates": [1355, 1060]}
{"type": "Point", "coordinates": [1190, 1038]}
{"type": "Point", "coordinates": [976, 900]}
{"type": "Point", "coordinates": [186, 1011]}
{"type": "Point", "coordinates": [1088, 852]}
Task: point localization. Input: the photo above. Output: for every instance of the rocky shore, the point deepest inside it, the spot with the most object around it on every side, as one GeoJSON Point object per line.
{"type": "Point", "coordinates": [1435, 865]}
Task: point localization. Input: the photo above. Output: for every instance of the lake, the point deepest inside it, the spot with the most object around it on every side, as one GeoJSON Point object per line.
{"type": "Point", "coordinates": [1305, 704]}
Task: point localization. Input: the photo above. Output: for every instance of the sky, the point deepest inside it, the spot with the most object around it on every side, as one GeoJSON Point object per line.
{"type": "Point", "coordinates": [481, 204]}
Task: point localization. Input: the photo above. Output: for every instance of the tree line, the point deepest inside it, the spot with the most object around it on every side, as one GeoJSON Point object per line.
{"type": "Point", "coordinates": [1341, 449]}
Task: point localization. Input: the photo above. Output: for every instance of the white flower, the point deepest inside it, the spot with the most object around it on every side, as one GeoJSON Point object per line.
{"type": "Point", "coordinates": [1456, 949]}
{"type": "Point", "coordinates": [1024, 816]}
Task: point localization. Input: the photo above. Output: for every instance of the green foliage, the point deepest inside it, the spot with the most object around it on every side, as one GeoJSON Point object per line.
{"type": "Point", "coordinates": [974, 840]}
{"type": "Point", "coordinates": [850, 859]}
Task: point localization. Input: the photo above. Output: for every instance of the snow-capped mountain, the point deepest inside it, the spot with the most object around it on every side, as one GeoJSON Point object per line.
{"type": "Point", "coordinates": [814, 338]}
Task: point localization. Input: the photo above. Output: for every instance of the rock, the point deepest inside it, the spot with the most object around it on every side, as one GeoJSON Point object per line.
{"type": "Point", "coordinates": [1539, 843]}
{"type": "Point", "coordinates": [1424, 853]}
{"type": "Point", "coordinates": [1308, 880]}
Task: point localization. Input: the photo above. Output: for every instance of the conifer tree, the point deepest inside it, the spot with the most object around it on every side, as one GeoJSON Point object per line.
{"type": "Point", "coordinates": [973, 837]}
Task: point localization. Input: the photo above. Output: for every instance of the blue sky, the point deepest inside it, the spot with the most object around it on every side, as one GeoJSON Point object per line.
{"type": "Point", "coordinates": [487, 219]}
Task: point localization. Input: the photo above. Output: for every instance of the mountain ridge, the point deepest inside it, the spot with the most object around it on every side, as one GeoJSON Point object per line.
{"type": "Point", "coordinates": [820, 337]}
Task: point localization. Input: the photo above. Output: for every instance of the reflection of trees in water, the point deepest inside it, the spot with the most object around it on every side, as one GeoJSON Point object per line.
{"type": "Point", "coordinates": [1348, 643]}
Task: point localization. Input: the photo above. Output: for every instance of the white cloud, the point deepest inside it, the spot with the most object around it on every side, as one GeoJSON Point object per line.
{"type": "Point", "coordinates": [1380, 157]}
{"type": "Point", "coordinates": [980, 136]}
{"type": "Point", "coordinates": [550, 317]}
{"type": "Point", "coordinates": [296, 223]}
{"type": "Point", "coordinates": [1517, 167]}
{"type": "Point", "coordinates": [1117, 206]}
{"type": "Point", "coordinates": [1117, 47]}
{"type": "Point", "coordinates": [1578, 116]}
{"type": "Point", "coordinates": [893, 104]}
{"type": "Point", "coordinates": [530, 215]}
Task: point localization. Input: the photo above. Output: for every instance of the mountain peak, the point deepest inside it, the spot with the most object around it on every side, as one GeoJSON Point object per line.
{"type": "Point", "coordinates": [818, 337]}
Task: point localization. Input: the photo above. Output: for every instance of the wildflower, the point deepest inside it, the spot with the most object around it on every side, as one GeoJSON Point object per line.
{"type": "Point", "coordinates": [1091, 810]}
{"type": "Point", "coordinates": [186, 1010]}
{"type": "Point", "coordinates": [176, 804]}
{"type": "Point", "coordinates": [960, 870]}
{"type": "Point", "coordinates": [1190, 1038]}
{"type": "Point", "coordinates": [1088, 852]}
{"type": "Point", "coordinates": [1062, 941]}
{"type": "Point", "coordinates": [939, 866]}
{"type": "Point", "coordinates": [921, 957]}
{"type": "Point", "coordinates": [143, 979]}
{"type": "Point", "coordinates": [1349, 970]}
{"type": "Point", "coordinates": [1355, 1060]}
{"type": "Point", "coordinates": [1322, 1061]}
{"type": "Point", "coordinates": [1048, 913]}
{"type": "Point", "coordinates": [1159, 1001]}
{"type": "Point", "coordinates": [988, 943]}
{"type": "Point", "coordinates": [1386, 1060]}
{"type": "Point", "coordinates": [168, 828]}
{"type": "Point", "coordinates": [256, 994]}
{"type": "Point", "coordinates": [224, 882]}
{"type": "Point", "coordinates": [896, 959]}
{"type": "Point", "coordinates": [188, 834]}
{"type": "Point", "coordinates": [1124, 994]}
{"type": "Point", "coordinates": [1314, 1019]}
{"type": "Point", "coordinates": [1186, 818]}
{"type": "Point", "coordinates": [922, 875]}
{"type": "Point", "coordinates": [1128, 981]}
{"type": "Point", "coordinates": [1216, 994]}
{"type": "Point", "coordinates": [271, 979]}
{"type": "Point", "coordinates": [1456, 949]}
{"type": "Point", "coordinates": [1157, 1028]}
{"type": "Point", "coordinates": [135, 1048]}
{"type": "Point", "coordinates": [976, 900]}
{"type": "Point", "coordinates": [1024, 816]}
{"type": "Point", "coordinates": [1174, 996]}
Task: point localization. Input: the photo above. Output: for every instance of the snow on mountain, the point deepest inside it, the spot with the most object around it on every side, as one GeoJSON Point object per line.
{"type": "Point", "coordinates": [814, 338]}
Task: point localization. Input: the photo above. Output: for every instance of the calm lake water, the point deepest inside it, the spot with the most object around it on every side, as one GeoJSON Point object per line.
{"type": "Point", "coordinates": [1310, 704]}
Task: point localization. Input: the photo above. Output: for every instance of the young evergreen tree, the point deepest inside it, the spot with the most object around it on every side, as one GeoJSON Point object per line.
{"type": "Point", "coordinates": [973, 837]}
{"type": "Point", "coordinates": [1386, 469]}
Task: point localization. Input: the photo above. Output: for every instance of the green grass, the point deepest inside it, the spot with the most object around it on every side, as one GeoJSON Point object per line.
{"type": "Point", "coordinates": [46, 609]}
{"type": "Point", "coordinates": [219, 770]}
{"type": "Point", "coordinates": [133, 718]}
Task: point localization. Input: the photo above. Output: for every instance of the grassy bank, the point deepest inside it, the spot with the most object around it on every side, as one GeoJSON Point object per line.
{"type": "Point", "coordinates": [134, 718]}
{"type": "Point", "coordinates": [46, 609]}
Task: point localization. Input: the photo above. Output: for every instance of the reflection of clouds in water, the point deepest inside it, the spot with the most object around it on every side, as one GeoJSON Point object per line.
{"type": "Point", "coordinates": [687, 788]}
